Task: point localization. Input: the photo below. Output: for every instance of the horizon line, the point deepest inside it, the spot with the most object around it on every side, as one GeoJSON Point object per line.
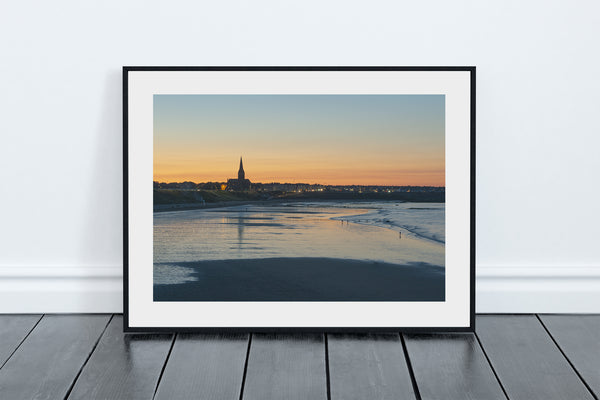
{"type": "Point", "coordinates": [304, 183]}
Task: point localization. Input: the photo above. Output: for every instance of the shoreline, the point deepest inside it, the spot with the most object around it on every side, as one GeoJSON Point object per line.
{"type": "Point", "coordinates": [200, 206]}
{"type": "Point", "coordinates": [304, 279]}
{"type": "Point", "coordinates": [372, 220]}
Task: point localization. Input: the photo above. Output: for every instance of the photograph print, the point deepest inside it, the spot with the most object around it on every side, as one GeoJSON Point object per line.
{"type": "Point", "coordinates": [299, 198]}
{"type": "Point", "coordinates": [309, 198]}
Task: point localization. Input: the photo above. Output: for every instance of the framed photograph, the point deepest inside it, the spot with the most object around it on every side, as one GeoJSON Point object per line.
{"type": "Point", "coordinates": [299, 198]}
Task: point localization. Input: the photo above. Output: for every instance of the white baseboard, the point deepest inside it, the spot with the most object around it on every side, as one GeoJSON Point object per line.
{"type": "Point", "coordinates": [50, 289]}
{"type": "Point", "coordinates": [538, 290]}
{"type": "Point", "coordinates": [47, 289]}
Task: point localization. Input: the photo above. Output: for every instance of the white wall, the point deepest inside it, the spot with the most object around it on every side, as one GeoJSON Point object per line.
{"type": "Point", "coordinates": [538, 127]}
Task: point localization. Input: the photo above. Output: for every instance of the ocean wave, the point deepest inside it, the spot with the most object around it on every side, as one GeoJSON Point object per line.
{"type": "Point", "coordinates": [172, 274]}
{"type": "Point", "coordinates": [425, 222]}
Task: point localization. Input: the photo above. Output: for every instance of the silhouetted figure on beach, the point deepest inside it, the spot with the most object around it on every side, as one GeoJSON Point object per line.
{"type": "Point", "coordinates": [399, 235]}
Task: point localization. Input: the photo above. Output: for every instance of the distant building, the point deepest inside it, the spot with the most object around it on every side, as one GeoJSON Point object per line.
{"type": "Point", "coordinates": [241, 183]}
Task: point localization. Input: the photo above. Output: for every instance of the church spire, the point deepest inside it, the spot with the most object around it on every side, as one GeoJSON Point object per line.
{"type": "Point", "coordinates": [241, 173]}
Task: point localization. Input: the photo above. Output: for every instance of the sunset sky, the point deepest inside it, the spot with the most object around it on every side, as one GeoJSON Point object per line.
{"type": "Point", "coordinates": [326, 139]}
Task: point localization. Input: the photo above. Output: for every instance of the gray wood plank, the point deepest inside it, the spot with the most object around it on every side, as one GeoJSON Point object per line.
{"type": "Point", "coordinates": [526, 360]}
{"type": "Point", "coordinates": [368, 366]}
{"type": "Point", "coordinates": [123, 366]}
{"type": "Point", "coordinates": [579, 338]}
{"type": "Point", "coordinates": [46, 364]}
{"type": "Point", "coordinates": [13, 329]}
{"type": "Point", "coordinates": [205, 366]}
{"type": "Point", "coordinates": [286, 366]}
{"type": "Point", "coordinates": [451, 366]}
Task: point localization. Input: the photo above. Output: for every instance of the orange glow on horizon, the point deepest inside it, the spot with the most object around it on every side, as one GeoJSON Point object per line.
{"type": "Point", "coordinates": [401, 175]}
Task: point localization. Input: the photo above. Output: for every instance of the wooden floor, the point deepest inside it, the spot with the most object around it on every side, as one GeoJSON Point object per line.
{"type": "Point", "coordinates": [510, 356]}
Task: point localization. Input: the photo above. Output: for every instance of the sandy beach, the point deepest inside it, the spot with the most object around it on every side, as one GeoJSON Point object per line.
{"type": "Point", "coordinates": [305, 279]}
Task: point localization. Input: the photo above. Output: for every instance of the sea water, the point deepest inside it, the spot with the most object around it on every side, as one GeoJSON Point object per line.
{"type": "Point", "coordinates": [392, 232]}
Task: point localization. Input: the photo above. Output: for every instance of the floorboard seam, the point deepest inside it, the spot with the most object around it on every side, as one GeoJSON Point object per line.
{"type": "Point", "coordinates": [327, 373]}
{"type": "Point", "coordinates": [490, 364]}
{"type": "Point", "coordinates": [162, 370]}
{"type": "Point", "coordinates": [411, 372]}
{"type": "Point", "coordinates": [566, 358]}
{"type": "Point", "coordinates": [21, 342]}
{"type": "Point", "coordinates": [88, 358]}
{"type": "Point", "coordinates": [246, 366]}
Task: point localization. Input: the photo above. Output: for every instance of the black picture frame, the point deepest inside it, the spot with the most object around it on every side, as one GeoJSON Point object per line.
{"type": "Point", "coordinates": [127, 279]}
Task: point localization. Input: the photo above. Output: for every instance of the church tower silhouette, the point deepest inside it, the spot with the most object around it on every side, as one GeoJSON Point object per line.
{"type": "Point", "coordinates": [240, 184]}
{"type": "Point", "coordinates": [241, 173]}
